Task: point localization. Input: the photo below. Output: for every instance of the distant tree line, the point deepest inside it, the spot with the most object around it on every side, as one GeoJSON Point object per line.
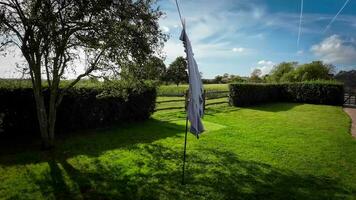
{"type": "Point", "coordinates": [225, 78]}
{"type": "Point", "coordinates": [176, 73]}
{"type": "Point", "coordinates": [283, 72]}
{"type": "Point", "coordinates": [294, 72]}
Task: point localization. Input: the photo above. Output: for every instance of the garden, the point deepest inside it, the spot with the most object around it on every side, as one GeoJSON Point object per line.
{"type": "Point", "coordinates": [275, 150]}
{"type": "Point", "coordinates": [91, 109]}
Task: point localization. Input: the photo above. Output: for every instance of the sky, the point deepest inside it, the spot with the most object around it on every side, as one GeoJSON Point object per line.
{"type": "Point", "coordinates": [237, 36]}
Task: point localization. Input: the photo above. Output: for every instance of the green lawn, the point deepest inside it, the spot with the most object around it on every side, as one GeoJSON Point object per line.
{"type": "Point", "coordinates": [274, 151]}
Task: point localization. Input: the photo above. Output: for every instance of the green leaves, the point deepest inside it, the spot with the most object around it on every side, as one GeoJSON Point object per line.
{"type": "Point", "coordinates": [52, 33]}
{"type": "Point", "coordinates": [89, 105]}
{"type": "Point", "coordinates": [318, 92]}
{"type": "Point", "coordinates": [177, 71]}
{"type": "Point", "coordinates": [292, 72]}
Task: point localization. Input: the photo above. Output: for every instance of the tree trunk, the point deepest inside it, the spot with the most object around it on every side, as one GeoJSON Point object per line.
{"type": "Point", "coordinates": [42, 118]}
{"type": "Point", "coordinates": [52, 115]}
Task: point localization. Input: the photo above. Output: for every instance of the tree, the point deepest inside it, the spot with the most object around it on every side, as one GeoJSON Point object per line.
{"type": "Point", "coordinates": [227, 78]}
{"type": "Point", "coordinates": [236, 79]}
{"type": "Point", "coordinates": [50, 33]}
{"type": "Point", "coordinates": [218, 79]}
{"type": "Point", "coordinates": [256, 76]}
{"type": "Point", "coordinates": [316, 70]}
{"type": "Point", "coordinates": [348, 78]}
{"type": "Point", "coordinates": [292, 72]}
{"type": "Point", "coordinates": [279, 71]}
{"type": "Point", "coordinates": [153, 69]}
{"type": "Point", "coordinates": [177, 71]}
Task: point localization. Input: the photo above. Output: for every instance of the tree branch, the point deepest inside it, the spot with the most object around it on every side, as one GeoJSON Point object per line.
{"type": "Point", "coordinates": [14, 30]}
{"type": "Point", "coordinates": [88, 71]}
{"type": "Point", "coordinates": [8, 5]}
{"type": "Point", "coordinates": [47, 69]}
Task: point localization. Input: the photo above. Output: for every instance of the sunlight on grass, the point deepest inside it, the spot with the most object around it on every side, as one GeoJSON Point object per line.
{"type": "Point", "coordinates": [273, 151]}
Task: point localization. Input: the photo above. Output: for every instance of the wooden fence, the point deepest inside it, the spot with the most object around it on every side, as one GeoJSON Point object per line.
{"type": "Point", "coordinates": [209, 98]}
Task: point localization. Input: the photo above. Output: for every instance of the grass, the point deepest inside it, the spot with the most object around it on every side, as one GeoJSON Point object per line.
{"type": "Point", "coordinates": [273, 151]}
{"type": "Point", "coordinates": [169, 90]}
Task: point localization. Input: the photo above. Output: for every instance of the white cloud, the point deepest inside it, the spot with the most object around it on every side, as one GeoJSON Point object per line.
{"type": "Point", "coordinates": [300, 52]}
{"type": "Point", "coordinates": [213, 33]}
{"type": "Point", "coordinates": [165, 29]}
{"type": "Point", "coordinates": [175, 49]}
{"type": "Point", "coordinates": [239, 49]}
{"type": "Point", "coordinates": [265, 62]}
{"type": "Point", "coordinates": [335, 50]}
{"type": "Point", "coordinates": [265, 66]}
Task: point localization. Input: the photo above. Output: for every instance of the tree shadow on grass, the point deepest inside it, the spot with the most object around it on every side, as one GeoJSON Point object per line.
{"type": "Point", "coordinates": [171, 115]}
{"type": "Point", "coordinates": [275, 107]}
{"type": "Point", "coordinates": [155, 173]}
{"type": "Point", "coordinates": [131, 163]}
{"type": "Point", "coordinates": [220, 109]}
{"type": "Point", "coordinates": [53, 184]}
{"type": "Point", "coordinates": [92, 142]}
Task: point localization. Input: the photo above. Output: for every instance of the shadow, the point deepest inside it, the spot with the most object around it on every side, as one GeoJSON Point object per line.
{"type": "Point", "coordinates": [92, 142]}
{"type": "Point", "coordinates": [212, 109]}
{"type": "Point", "coordinates": [219, 109]}
{"type": "Point", "coordinates": [217, 103]}
{"type": "Point", "coordinates": [53, 183]}
{"type": "Point", "coordinates": [275, 107]}
{"type": "Point", "coordinates": [170, 108]}
{"type": "Point", "coordinates": [155, 173]}
{"type": "Point", "coordinates": [349, 106]}
{"type": "Point", "coordinates": [130, 162]}
{"type": "Point", "coordinates": [170, 115]}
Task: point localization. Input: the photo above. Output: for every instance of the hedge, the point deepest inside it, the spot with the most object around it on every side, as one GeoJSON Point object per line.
{"type": "Point", "coordinates": [82, 108]}
{"type": "Point", "coordinates": [245, 94]}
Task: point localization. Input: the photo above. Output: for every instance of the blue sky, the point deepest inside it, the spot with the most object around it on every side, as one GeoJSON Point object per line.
{"type": "Point", "coordinates": [237, 36]}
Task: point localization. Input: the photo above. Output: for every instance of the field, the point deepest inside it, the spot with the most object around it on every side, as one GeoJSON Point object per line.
{"type": "Point", "coordinates": [272, 151]}
{"type": "Point", "coordinates": [169, 90]}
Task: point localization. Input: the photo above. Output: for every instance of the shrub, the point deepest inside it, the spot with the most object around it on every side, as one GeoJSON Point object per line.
{"type": "Point", "coordinates": [82, 107]}
{"type": "Point", "coordinates": [244, 94]}
{"type": "Point", "coordinates": [329, 93]}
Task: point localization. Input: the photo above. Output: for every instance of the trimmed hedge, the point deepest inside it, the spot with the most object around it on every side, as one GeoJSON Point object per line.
{"type": "Point", "coordinates": [82, 107]}
{"type": "Point", "coordinates": [245, 94]}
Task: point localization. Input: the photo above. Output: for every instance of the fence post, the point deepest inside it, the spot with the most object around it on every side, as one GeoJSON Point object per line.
{"type": "Point", "coordinates": [229, 99]}
{"type": "Point", "coordinates": [186, 95]}
{"type": "Point", "coordinates": [204, 100]}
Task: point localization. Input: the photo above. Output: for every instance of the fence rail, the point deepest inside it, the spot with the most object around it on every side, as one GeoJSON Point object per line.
{"type": "Point", "coordinates": [210, 98]}
{"type": "Point", "coordinates": [169, 101]}
{"type": "Point", "coordinates": [349, 99]}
